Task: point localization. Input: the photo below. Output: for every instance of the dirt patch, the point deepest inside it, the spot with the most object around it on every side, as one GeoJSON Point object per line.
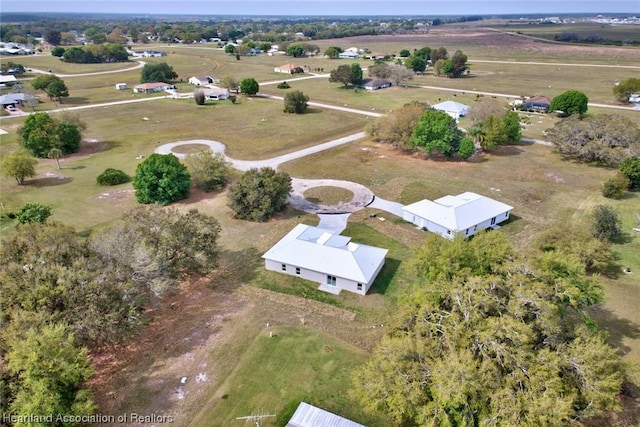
{"type": "Point", "coordinates": [116, 194]}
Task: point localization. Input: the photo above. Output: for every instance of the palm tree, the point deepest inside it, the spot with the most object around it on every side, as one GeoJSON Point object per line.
{"type": "Point", "coordinates": [55, 153]}
{"type": "Point", "coordinates": [477, 132]}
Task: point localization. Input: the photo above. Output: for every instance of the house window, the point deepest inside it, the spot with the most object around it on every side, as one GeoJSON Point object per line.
{"type": "Point", "coordinates": [493, 220]}
{"type": "Point", "coordinates": [466, 232]}
{"type": "Point", "coordinates": [297, 270]}
{"type": "Point", "coordinates": [331, 280]}
{"type": "Point", "coordinates": [448, 231]}
{"type": "Point", "coordinates": [284, 267]}
{"type": "Point", "coordinates": [359, 286]}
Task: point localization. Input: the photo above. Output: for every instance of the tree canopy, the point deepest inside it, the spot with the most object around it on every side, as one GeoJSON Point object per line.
{"type": "Point", "coordinates": [259, 194]}
{"type": "Point", "coordinates": [602, 138]}
{"type": "Point", "coordinates": [342, 74]}
{"type": "Point", "coordinates": [484, 338]}
{"type": "Point", "coordinates": [209, 171]}
{"type": "Point", "coordinates": [397, 127]}
{"type": "Point", "coordinates": [437, 132]}
{"type": "Point", "coordinates": [569, 103]}
{"type": "Point", "coordinates": [249, 86]}
{"type": "Point", "coordinates": [33, 212]}
{"type": "Point", "coordinates": [162, 179]}
{"type": "Point", "coordinates": [630, 167]}
{"type": "Point", "coordinates": [19, 164]}
{"type": "Point", "coordinates": [295, 102]}
{"type": "Point", "coordinates": [52, 85]}
{"type": "Point", "coordinates": [41, 133]}
{"type": "Point", "coordinates": [160, 72]}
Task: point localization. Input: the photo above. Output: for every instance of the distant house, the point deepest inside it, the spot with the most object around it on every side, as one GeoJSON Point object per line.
{"type": "Point", "coordinates": [202, 80]}
{"type": "Point", "coordinates": [10, 78]}
{"type": "Point", "coordinates": [347, 54]}
{"type": "Point", "coordinates": [463, 214]}
{"type": "Point", "coordinates": [121, 86]}
{"type": "Point", "coordinates": [334, 261]}
{"type": "Point", "coordinates": [149, 54]}
{"type": "Point", "coordinates": [153, 87]}
{"type": "Point", "coordinates": [216, 93]}
{"type": "Point", "coordinates": [536, 103]}
{"type": "Point", "coordinates": [307, 415]}
{"type": "Point", "coordinates": [454, 109]}
{"type": "Point", "coordinates": [291, 69]}
{"type": "Point", "coordinates": [375, 84]}
{"type": "Point", "coordinates": [18, 100]}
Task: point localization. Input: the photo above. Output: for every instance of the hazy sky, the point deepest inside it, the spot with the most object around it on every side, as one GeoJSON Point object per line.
{"type": "Point", "coordinates": [323, 7]}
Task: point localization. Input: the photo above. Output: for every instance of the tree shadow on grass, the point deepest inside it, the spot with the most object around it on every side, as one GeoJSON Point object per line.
{"type": "Point", "coordinates": [618, 328]}
{"type": "Point", "coordinates": [385, 277]}
{"type": "Point", "coordinates": [506, 150]}
{"type": "Point", "coordinates": [49, 181]}
{"type": "Point", "coordinates": [236, 268]}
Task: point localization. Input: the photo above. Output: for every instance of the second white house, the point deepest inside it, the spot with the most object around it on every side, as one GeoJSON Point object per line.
{"type": "Point", "coordinates": [334, 261]}
{"type": "Point", "coordinates": [465, 214]}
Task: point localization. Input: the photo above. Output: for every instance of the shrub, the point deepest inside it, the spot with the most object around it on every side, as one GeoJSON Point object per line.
{"type": "Point", "coordinates": [33, 212]}
{"type": "Point", "coordinates": [112, 177]}
{"type": "Point", "coordinates": [283, 85]}
{"type": "Point", "coordinates": [615, 187]}
{"type": "Point", "coordinates": [606, 223]}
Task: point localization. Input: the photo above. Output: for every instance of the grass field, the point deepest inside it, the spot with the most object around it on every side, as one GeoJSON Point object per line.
{"type": "Point", "coordinates": [218, 328]}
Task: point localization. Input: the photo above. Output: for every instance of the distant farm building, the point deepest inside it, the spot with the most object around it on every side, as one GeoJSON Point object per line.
{"type": "Point", "coordinates": [215, 93]}
{"type": "Point", "coordinates": [202, 80]}
{"type": "Point", "coordinates": [121, 86]}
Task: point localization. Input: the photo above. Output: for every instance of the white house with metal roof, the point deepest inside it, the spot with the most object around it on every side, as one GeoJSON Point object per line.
{"type": "Point", "coordinates": [463, 214]}
{"type": "Point", "coordinates": [334, 261]}
{"type": "Point", "coordinates": [307, 415]}
{"type": "Point", "coordinates": [454, 109]}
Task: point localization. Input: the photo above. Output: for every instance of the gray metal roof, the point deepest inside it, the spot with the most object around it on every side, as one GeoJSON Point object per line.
{"type": "Point", "coordinates": [310, 416]}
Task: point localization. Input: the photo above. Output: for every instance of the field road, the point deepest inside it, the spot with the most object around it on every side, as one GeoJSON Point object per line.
{"type": "Point", "coordinates": [135, 67]}
{"type": "Point", "coordinates": [563, 64]}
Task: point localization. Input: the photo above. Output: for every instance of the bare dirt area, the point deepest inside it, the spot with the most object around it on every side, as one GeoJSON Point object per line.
{"type": "Point", "coordinates": [168, 369]}
{"type": "Point", "coordinates": [492, 39]}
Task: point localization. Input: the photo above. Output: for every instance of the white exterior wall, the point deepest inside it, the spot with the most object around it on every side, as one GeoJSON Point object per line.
{"type": "Point", "coordinates": [321, 278]}
{"type": "Point", "coordinates": [438, 229]}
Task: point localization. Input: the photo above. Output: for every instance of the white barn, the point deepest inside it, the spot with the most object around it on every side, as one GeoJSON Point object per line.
{"type": "Point", "coordinates": [463, 214]}
{"type": "Point", "coordinates": [334, 261]}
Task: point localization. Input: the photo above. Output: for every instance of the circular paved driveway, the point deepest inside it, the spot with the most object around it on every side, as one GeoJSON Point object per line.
{"type": "Point", "coordinates": [332, 217]}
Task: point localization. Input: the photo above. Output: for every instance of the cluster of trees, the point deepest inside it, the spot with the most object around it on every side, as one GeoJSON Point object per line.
{"type": "Point", "coordinates": [493, 124]}
{"type": "Point", "coordinates": [347, 75]}
{"type": "Point", "coordinates": [209, 171]}
{"type": "Point", "coordinates": [259, 194]}
{"type": "Point", "coordinates": [52, 85]}
{"type": "Point", "coordinates": [397, 127]}
{"type": "Point", "coordinates": [160, 72]}
{"type": "Point", "coordinates": [395, 73]}
{"type": "Point", "coordinates": [606, 139]}
{"type": "Point", "coordinates": [488, 337]}
{"type": "Point", "coordinates": [437, 131]}
{"type": "Point", "coordinates": [46, 136]}
{"type": "Point", "coordinates": [90, 54]}
{"type": "Point", "coordinates": [63, 294]}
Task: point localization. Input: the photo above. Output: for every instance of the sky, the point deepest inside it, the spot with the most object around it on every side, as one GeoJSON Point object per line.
{"type": "Point", "coordinates": [323, 7]}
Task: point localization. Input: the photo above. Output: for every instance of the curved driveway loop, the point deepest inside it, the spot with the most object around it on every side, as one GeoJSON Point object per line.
{"type": "Point", "coordinates": [332, 217]}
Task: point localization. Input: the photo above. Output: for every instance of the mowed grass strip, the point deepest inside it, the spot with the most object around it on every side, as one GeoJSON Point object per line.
{"type": "Point", "coordinates": [328, 195]}
{"type": "Point", "coordinates": [296, 364]}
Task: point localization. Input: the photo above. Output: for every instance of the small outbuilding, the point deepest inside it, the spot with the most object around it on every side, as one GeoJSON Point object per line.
{"type": "Point", "coordinates": [375, 84]}
{"type": "Point", "coordinates": [334, 261]}
{"type": "Point", "coordinates": [121, 86]}
{"type": "Point", "coordinates": [291, 69]}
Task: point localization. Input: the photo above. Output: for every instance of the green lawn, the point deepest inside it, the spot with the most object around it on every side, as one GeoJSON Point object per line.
{"type": "Point", "coordinates": [276, 373]}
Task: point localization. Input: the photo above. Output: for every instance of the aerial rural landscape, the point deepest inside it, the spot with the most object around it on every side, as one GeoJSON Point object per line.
{"type": "Point", "coordinates": [340, 220]}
